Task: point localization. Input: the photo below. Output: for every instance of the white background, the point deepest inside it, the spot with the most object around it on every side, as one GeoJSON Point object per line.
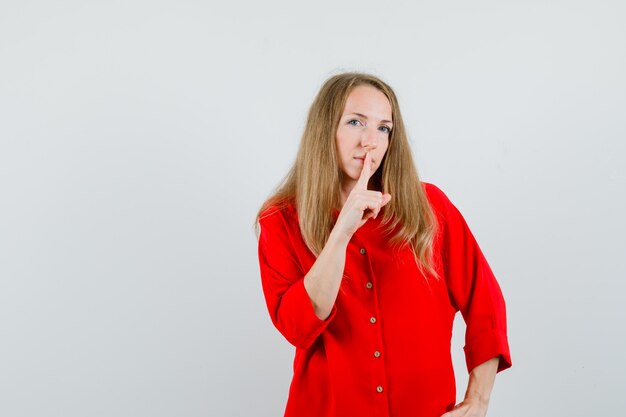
{"type": "Point", "coordinates": [139, 138]}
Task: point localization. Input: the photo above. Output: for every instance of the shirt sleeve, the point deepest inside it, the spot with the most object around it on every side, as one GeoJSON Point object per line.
{"type": "Point", "coordinates": [474, 291]}
{"type": "Point", "coordinates": [282, 278]}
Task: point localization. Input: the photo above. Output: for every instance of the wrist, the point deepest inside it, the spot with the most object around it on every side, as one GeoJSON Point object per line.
{"type": "Point", "coordinates": [338, 238]}
{"type": "Point", "coordinates": [479, 398]}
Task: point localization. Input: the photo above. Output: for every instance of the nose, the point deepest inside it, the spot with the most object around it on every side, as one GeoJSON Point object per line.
{"type": "Point", "coordinates": [369, 138]}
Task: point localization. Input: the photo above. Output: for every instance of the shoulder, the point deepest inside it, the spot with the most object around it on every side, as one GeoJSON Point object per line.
{"type": "Point", "coordinates": [279, 230]}
{"type": "Point", "coordinates": [438, 200]}
{"type": "Point", "coordinates": [431, 190]}
{"type": "Point", "coordinates": [278, 215]}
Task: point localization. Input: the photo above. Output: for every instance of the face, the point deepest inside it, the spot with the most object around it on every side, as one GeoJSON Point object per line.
{"type": "Point", "coordinates": [365, 125]}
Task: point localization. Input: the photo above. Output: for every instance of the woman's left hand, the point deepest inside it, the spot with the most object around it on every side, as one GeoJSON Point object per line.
{"type": "Point", "coordinates": [470, 407]}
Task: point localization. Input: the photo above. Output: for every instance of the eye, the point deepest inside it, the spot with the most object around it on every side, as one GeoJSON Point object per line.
{"type": "Point", "coordinates": [354, 122]}
{"type": "Point", "coordinates": [385, 129]}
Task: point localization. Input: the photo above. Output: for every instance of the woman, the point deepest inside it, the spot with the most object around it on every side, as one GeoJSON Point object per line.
{"type": "Point", "coordinates": [364, 266]}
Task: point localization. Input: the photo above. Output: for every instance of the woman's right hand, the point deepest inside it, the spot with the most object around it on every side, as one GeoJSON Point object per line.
{"type": "Point", "coordinates": [362, 204]}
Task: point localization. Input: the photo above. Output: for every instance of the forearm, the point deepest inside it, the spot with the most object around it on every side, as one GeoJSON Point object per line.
{"type": "Point", "coordinates": [481, 380]}
{"type": "Point", "coordinates": [323, 280]}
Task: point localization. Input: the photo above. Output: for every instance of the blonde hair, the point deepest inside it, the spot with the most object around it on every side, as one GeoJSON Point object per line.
{"type": "Point", "coordinates": [313, 182]}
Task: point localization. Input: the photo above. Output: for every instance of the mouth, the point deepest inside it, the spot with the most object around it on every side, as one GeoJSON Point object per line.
{"type": "Point", "coordinates": [361, 159]}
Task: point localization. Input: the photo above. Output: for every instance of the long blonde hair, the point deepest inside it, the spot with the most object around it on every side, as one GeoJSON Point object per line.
{"type": "Point", "coordinates": [313, 182]}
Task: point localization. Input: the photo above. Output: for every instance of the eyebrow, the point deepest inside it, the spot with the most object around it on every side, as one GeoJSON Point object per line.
{"type": "Point", "coordinates": [365, 117]}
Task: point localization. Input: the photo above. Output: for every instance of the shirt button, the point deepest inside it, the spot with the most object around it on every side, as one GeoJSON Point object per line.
{"type": "Point", "coordinates": [369, 285]}
{"type": "Point", "coordinates": [379, 388]}
{"type": "Point", "coordinates": [372, 320]}
{"type": "Point", "coordinates": [377, 354]}
{"type": "Point", "coordinates": [362, 251]}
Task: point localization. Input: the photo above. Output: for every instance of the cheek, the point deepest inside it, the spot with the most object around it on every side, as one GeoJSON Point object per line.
{"type": "Point", "coordinates": [345, 143]}
{"type": "Point", "coordinates": [384, 146]}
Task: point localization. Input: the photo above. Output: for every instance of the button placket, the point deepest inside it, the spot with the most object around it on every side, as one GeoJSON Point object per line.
{"type": "Point", "coordinates": [379, 379]}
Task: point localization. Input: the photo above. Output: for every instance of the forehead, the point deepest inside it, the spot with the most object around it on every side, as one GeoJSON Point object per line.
{"type": "Point", "coordinates": [369, 101]}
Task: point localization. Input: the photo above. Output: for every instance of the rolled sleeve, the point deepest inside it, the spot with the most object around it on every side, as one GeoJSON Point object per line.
{"type": "Point", "coordinates": [486, 346]}
{"type": "Point", "coordinates": [474, 290]}
{"type": "Point", "coordinates": [282, 278]}
{"type": "Point", "coordinates": [297, 320]}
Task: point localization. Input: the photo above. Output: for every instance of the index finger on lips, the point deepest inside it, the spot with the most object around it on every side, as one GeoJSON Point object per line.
{"type": "Point", "coordinates": [365, 172]}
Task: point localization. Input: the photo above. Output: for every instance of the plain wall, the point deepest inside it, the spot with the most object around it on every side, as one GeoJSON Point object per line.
{"type": "Point", "coordinates": [139, 138]}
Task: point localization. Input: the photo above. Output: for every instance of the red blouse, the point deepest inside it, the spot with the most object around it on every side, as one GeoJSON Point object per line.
{"type": "Point", "coordinates": [385, 348]}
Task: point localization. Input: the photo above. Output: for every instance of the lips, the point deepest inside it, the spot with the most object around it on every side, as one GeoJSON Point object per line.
{"type": "Point", "coordinates": [362, 159]}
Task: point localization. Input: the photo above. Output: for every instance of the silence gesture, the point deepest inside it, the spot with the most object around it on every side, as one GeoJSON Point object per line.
{"type": "Point", "coordinates": [362, 204]}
